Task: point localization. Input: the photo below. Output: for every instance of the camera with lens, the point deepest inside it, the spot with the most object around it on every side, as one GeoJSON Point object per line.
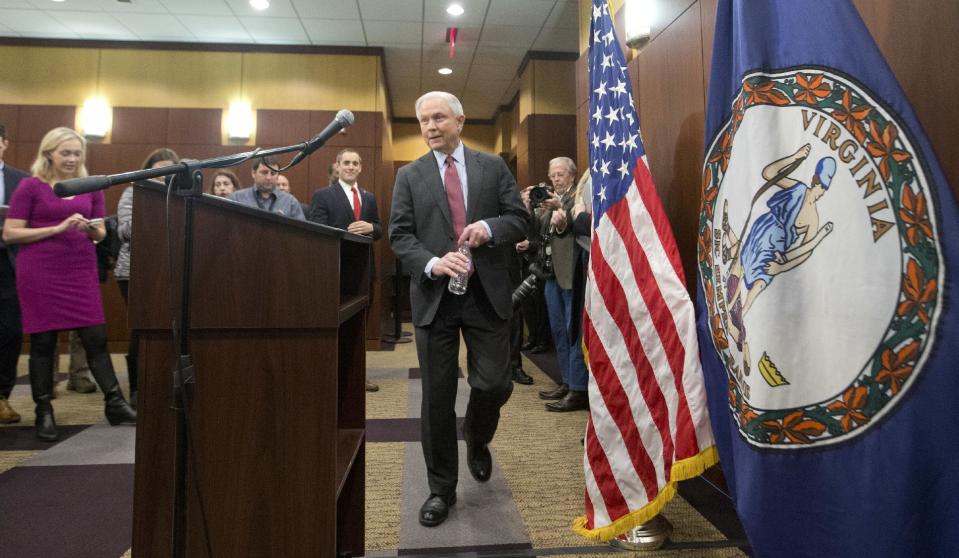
{"type": "Point", "coordinates": [539, 194]}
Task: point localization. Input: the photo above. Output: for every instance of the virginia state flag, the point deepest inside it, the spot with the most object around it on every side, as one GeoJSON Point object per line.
{"type": "Point", "coordinates": [827, 316]}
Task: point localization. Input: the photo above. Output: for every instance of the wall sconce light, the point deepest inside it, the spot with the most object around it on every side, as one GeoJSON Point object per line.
{"type": "Point", "coordinates": [96, 118]}
{"type": "Point", "coordinates": [639, 18]}
{"type": "Point", "coordinates": [239, 121]}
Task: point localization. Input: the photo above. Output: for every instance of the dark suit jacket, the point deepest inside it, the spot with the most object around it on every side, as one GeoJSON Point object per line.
{"type": "Point", "coordinates": [331, 207]}
{"type": "Point", "coordinates": [11, 178]}
{"type": "Point", "coordinates": [421, 228]}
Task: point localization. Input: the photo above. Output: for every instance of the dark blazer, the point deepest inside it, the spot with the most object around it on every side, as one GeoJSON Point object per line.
{"type": "Point", "coordinates": [11, 178]}
{"type": "Point", "coordinates": [331, 207]}
{"type": "Point", "coordinates": [421, 228]}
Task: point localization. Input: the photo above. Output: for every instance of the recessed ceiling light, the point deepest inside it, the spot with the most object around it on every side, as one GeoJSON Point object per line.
{"type": "Point", "coordinates": [455, 10]}
{"type": "Point", "coordinates": [445, 71]}
{"type": "Point", "coordinates": [59, 0]}
{"type": "Point", "coordinates": [260, 4]}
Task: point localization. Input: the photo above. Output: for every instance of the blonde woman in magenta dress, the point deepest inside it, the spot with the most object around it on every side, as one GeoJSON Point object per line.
{"type": "Point", "coordinates": [57, 274]}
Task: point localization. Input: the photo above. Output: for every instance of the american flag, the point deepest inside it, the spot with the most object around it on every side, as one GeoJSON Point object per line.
{"type": "Point", "coordinates": [648, 426]}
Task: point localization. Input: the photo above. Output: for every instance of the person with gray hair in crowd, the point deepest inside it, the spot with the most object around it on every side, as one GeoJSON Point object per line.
{"type": "Point", "coordinates": [554, 220]}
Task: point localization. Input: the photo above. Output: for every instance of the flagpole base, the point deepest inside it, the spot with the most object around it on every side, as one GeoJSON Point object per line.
{"type": "Point", "coordinates": [649, 536]}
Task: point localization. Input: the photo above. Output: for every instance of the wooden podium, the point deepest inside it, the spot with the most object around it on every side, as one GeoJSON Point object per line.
{"type": "Point", "coordinates": [276, 328]}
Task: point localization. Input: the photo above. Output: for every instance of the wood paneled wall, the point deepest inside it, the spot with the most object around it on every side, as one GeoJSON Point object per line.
{"type": "Point", "coordinates": [920, 41]}
{"type": "Point", "coordinates": [195, 133]}
{"type": "Point", "coordinates": [542, 137]}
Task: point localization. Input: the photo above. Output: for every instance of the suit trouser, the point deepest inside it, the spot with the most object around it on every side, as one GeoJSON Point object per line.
{"type": "Point", "coordinates": [487, 357]}
{"type": "Point", "coordinates": [11, 335]}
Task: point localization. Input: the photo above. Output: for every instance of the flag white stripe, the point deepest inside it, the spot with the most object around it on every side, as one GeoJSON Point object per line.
{"type": "Point", "coordinates": [621, 263]}
{"type": "Point", "coordinates": [595, 495]}
{"type": "Point", "coordinates": [606, 429]}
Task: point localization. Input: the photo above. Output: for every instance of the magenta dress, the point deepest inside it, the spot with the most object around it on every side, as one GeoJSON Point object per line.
{"type": "Point", "coordinates": [56, 277]}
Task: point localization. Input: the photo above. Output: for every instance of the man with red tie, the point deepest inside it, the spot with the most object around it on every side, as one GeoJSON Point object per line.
{"type": "Point", "coordinates": [345, 205]}
{"type": "Point", "coordinates": [451, 196]}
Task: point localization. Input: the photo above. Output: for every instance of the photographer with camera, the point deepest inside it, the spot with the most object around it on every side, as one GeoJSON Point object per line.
{"type": "Point", "coordinates": [552, 218]}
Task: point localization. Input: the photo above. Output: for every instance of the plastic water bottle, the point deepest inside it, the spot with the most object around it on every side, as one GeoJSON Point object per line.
{"type": "Point", "coordinates": [458, 284]}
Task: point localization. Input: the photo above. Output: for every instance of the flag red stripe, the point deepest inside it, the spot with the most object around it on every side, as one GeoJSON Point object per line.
{"type": "Point", "coordinates": [647, 191]}
{"type": "Point", "coordinates": [617, 404]}
{"type": "Point", "coordinates": [662, 318]}
{"type": "Point", "coordinates": [612, 497]}
{"type": "Point", "coordinates": [616, 304]}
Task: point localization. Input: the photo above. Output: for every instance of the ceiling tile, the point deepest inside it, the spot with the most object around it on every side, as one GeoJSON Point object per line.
{"type": "Point", "coordinates": [397, 10]}
{"type": "Point", "coordinates": [197, 7]}
{"type": "Point", "coordinates": [499, 55]}
{"type": "Point", "coordinates": [278, 8]}
{"type": "Point", "coordinates": [136, 7]}
{"type": "Point", "coordinates": [565, 15]}
{"type": "Point", "coordinates": [491, 72]}
{"type": "Point", "coordinates": [454, 83]}
{"type": "Point", "coordinates": [33, 23]}
{"type": "Point", "coordinates": [93, 24]}
{"type": "Point", "coordinates": [509, 36]}
{"type": "Point", "coordinates": [379, 33]}
{"type": "Point", "coordinates": [155, 27]}
{"type": "Point", "coordinates": [15, 5]}
{"type": "Point", "coordinates": [440, 55]}
{"type": "Point", "coordinates": [558, 39]}
{"type": "Point", "coordinates": [333, 32]}
{"type": "Point", "coordinates": [511, 12]}
{"type": "Point", "coordinates": [474, 12]}
{"type": "Point", "coordinates": [275, 30]}
{"type": "Point", "coordinates": [326, 9]}
{"type": "Point", "coordinates": [403, 54]}
{"type": "Point", "coordinates": [216, 29]}
{"type": "Point", "coordinates": [72, 6]}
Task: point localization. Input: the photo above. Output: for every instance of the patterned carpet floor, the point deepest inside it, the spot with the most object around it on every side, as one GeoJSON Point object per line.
{"type": "Point", "coordinates": [74, 498]}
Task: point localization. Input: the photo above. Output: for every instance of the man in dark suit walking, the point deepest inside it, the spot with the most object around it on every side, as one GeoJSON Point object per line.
{"type": "Point", "coordinates": [452, 196]}
{"type": "Point", "coordinates": [346, 206]}
{"type": "Point", "coordinates": [11, 334]}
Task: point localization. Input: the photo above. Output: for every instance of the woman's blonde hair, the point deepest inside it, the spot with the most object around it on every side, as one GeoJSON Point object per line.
{"type": "Point", "coordinates": [42, 166]}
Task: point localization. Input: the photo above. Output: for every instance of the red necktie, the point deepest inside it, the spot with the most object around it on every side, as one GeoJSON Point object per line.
{"type": "Point", "coordinates": [454, 195]}
{"type": "Point", "coordinates": [356, 204]}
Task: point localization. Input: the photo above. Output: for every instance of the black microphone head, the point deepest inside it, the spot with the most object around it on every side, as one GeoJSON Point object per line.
{"type": "Point", "coordinates": [344, 117]}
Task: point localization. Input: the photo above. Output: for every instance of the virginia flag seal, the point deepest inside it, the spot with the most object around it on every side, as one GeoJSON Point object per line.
{"type": "Point", "coordinates": [817, 210]}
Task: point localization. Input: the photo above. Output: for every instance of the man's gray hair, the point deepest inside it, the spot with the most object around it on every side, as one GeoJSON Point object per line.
{"type": "Point", "coordinates": [455, 105]}
{"type": "Point", "coordinates": [570, 165]}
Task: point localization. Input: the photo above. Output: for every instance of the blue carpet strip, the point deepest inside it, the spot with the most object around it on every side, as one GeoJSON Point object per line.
{"type": "Point", "coordinates": [21, 438]}
{"type": "Point", "coordinates": [80, 511]}
{"type": "Point", "coordinates": [400, 430]}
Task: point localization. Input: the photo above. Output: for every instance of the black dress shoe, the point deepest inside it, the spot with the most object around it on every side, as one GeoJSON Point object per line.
{"type": "Point", "coordinates": [479, 461]}
{"type": "Point", "coordinates": [436, 508]}
{"type": "Point", "coordinates": [521, 377]}
{"type": "Point", "coordinates": [558, 393]}
{"type": "Point", "coordinates": [527, 346]}
{"type": "Point", "coordinates": [46, 427]}
{"type": "Point", "coordinates": [539, 349]}
{"type": "Point", "coordinates": [574, 401]}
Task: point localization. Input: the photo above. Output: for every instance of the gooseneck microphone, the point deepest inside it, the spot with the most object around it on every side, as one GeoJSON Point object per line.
{"type": "Point", "coordinates": [343, 119]}
{"type": "Point", "coordinates": [83, 185]}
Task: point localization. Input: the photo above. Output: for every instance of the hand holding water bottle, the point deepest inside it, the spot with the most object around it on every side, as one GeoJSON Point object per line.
{"type": "Point", "coordinates": [459, 281]}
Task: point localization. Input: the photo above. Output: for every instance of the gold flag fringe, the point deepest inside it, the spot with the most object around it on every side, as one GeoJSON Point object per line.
{"type": "Point", "coordinates": [681, 470]}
